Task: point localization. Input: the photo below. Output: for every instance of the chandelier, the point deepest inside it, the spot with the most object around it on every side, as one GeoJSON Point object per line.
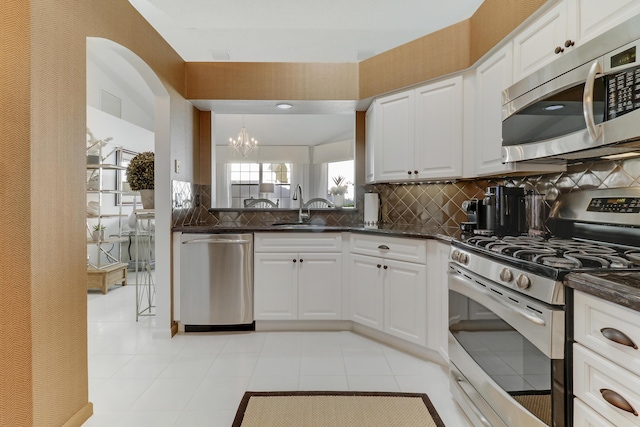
{"type": "Point", "coordinates": [244, 144]}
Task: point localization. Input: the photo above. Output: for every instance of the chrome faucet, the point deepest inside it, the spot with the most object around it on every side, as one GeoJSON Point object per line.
{"type": "Point", "coordinates": [301, 216]}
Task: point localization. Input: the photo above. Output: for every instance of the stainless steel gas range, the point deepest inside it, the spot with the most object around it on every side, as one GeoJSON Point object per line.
{"type": "Point", "coordinates": [510, 314]}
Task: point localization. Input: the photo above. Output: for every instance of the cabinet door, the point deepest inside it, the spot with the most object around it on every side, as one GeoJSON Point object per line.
{"type": "Point", "coordinates": [437, 297]}
{"type": "Point", "coordinates": [370, 136]}
{"type": "Point", "coordinates": [275, 286]}
{"type": "Point", "coordinates": [594, 17]}
{"type": "Point", "coordinates": [367, 291]}
{"type": "Point", "coordinates": [438, 130]}
{"type": "Point", "coordinates": [536, 45]}
{"type": "Point", "coordinates": [405, 300]}
{"type": "Point", "coordinates": [394, 142]}
{"type": "Point", "coordinates": [492, 77]}
{"type": "Point", "coordinates": [320, 286]}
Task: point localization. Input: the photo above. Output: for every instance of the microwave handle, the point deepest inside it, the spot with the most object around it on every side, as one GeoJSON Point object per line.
{"type": "Point", "coordinates": [595, 131]}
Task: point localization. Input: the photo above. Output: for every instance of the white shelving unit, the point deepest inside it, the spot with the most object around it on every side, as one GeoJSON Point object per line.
{"type": "Point", "coordinates": [144, 262]}
{"type": "Point", "coordinates": [104, 267]}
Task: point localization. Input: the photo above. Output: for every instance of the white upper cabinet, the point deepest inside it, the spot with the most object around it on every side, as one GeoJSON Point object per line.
{"type": "Point", "coordinates": [566, 25]}
{"type": "Point", "coordinates": [438, 130]}
{"type": "Point", "coordinates": [395, 139]}
{"type": "Point", "coordinates": [543, 41]}
{"type": "Point", "coordinates": [594, 17]}
{"type": "Point", "coordinates": [370, 137]}
{"type": "Point", "coordinates": [492, 77]}
{"type": "Point", "coordinates": [417, 134]}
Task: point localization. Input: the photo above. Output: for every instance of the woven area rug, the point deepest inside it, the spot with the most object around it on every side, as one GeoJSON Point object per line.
{"type": "Point", "coordinates": [336, 409]}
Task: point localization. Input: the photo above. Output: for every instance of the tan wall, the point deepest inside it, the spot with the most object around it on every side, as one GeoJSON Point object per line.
{"type": "Point", "coordinates": [16, 381]}
{"type": "Point", "coordinates": [43, 345]}
{"type": "Point", "coordinates": [443, 52]}
{"type": "Point", "coordinates": [262, 80]}
{"type": "Point", "coordinates": [495, 19]}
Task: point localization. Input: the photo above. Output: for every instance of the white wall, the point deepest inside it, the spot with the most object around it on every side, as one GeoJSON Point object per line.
{"type": "Point", "coordinates": [135, 95]}
{"type": "Point", "coordinates": [130, 137]}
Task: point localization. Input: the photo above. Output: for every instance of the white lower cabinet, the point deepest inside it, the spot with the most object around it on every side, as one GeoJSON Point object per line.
{"type": "Point", "coordinates": [438, 297]}
{"type": "Point", "coordinates": [606, 378]}
{"type": "Point", "coordinates": [320, 286]}
{"type": "Point", "coordinates": [367, 291]}
{"type": "Point", "coordinates": [388, 294]}
{"type": "Point", "coordinates": [405, 300]}
{"type": "Point", "coordinates": [298, 282]}
{"type": "Point", "coordinates": [275, 286]}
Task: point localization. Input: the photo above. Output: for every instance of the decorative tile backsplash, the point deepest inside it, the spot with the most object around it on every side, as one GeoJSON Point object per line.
{"type": "Point", "coordinates": [437, 205]}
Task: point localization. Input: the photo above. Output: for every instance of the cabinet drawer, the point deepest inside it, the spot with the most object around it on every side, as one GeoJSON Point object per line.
{"type": "Point", "coordinates": [583, 416]}
{"type": "Point", "coordinates": [593, 373]}
{"type": "Point", "coordinates": [298, 242]}
{"type": "Point", "coordinates": [595, 318]}
{"type": "Point", "coordinates": [398, 248]}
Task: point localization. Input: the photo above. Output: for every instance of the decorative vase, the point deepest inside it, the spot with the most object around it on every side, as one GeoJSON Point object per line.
{"type": "Point", "coordinates": [97, 235]}
{"type": "Point", "coordinates": [338, 200]}
{"type": "Point", "coordinates": [147, 199]}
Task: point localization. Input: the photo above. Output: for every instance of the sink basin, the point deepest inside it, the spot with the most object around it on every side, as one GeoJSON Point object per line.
{"type": "Point", "coordinates": [295, 224]}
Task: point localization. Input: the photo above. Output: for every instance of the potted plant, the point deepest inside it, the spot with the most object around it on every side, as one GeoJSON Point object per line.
{"type": "Point", "coordinates": [98, 232]}
{"type": "Point", "coordinates": [140, 177]}
{"type": "Point", "coordinates": [339, 190]}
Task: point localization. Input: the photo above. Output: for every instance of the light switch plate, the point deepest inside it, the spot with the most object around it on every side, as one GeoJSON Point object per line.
{"type": "Point", "coordinates": [176, 165]}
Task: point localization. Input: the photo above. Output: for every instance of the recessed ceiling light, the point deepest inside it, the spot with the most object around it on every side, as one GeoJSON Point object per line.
{"type": "Point", "coordinates": [553, 107]}
{"type": "Point", "coordinates": [284, 106]}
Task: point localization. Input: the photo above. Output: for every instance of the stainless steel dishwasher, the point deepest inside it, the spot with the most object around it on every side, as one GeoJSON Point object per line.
{"type": "Point", "coordinates": [216, 279]}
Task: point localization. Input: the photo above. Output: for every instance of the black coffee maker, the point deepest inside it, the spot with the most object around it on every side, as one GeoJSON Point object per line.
{"type": "Point", "coordinates": [474, 213]}
{"type": "Point", "coordinates": [507, 209]}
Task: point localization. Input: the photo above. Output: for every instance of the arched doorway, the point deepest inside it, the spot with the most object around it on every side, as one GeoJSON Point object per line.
{"type": "Point", "coordinates": [151, 101]}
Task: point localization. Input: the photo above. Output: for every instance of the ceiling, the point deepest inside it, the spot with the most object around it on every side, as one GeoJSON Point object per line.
{"type": "Point", "coordinates": [296, 30]}
{"type": "Point", "coordinates": [293, 31]}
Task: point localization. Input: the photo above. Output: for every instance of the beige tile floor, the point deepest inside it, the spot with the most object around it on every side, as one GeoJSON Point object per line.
{"type": "Point", "coordinates": [197, 380]}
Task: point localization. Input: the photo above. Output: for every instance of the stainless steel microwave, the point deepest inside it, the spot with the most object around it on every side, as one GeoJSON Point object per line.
{"type": "Point", "coordinates": [583, 105]}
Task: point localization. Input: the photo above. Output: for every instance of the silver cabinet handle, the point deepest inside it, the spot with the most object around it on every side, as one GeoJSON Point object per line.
{"type": "Point", "coordinates": [618, 401]}
{"type": "Point", "coordinates": [618, 337]}
{"type": "Point", "coordinates": [385, 247]}
{"type": "Point", "coordinates": [595, 131]}
{"type": "Point", "coordinates": [217, 241]}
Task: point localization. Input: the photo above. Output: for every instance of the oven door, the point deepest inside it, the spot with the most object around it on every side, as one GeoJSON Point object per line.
{"type": "Point", "coordinates": [506, 352]}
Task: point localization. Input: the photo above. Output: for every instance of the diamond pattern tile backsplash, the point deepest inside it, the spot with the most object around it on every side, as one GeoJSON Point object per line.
{"type": "Point", "coordinates": [436, 205]}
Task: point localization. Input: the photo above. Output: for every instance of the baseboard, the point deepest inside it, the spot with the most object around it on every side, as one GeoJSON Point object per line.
{"type": "Point", "coordinates": [303, 325]}
{"type": "Point", "coordinates": [81, 416]}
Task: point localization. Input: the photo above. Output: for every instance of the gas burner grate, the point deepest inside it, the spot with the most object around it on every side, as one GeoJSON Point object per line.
{"type": "Point", "coordinates": [558, 262]}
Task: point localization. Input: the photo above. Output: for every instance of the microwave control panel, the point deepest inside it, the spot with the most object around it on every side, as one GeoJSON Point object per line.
{"type": "Point", "coordinates": [623, 92]}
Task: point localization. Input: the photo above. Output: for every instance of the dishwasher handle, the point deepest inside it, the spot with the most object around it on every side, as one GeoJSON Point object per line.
{"type": "Point", "coordinates": [217, 241]}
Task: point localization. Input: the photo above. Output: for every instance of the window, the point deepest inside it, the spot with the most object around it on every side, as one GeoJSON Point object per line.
{"type": "Point", "coordinates": [247, 177]}
{"type": "Point", "coordinates": [345, 169]}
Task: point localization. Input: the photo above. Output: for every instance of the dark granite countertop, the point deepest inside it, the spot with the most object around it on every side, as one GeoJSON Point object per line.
{"type": "Point", "coordinates": [440, 233]}
{"type": "Point", "coordinates": [622, 288]}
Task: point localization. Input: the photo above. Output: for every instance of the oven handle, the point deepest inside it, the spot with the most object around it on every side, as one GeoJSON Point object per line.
{"type": "Point", "coordinates": [517, 310]}
{"type": "Point", "coordinates": [521, 312]}
{"type": "Point", "coordinates": [595, 131]}
{"type": "Point", "coordinates": [465, 387]}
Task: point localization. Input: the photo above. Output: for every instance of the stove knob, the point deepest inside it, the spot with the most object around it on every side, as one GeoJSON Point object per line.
{"type": "Point", "coordinates": [455, 255]}
{"type": "Point", "coordinates": [523, 281]}
{"type": "Point", "coordinates": [506, 275]}
{"type": "Point", "coordinates": [463, 258]}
